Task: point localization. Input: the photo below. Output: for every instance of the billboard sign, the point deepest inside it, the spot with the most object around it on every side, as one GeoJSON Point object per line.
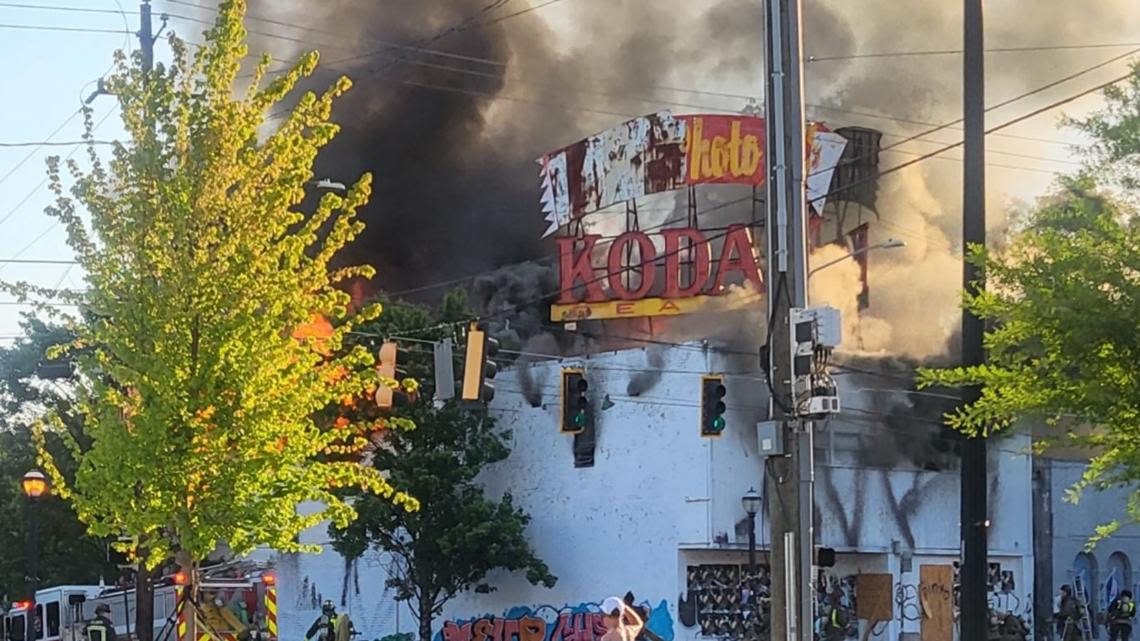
{"type": "Point", "coordinates": [662, 152]}
{"type": "Point", "coordinates": [676, 275]}
{"type": "Point", "coordinates": [636, 158]}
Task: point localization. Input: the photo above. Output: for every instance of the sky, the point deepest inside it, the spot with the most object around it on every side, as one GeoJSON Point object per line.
{"type": "Point", "coordinates": [46, 74]}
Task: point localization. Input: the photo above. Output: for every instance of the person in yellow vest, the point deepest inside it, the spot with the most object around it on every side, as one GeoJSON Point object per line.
{"type": "Point", "coordinates": [324, 628]}
{"type": "Point", "coordinates": [101, 628]}
{"type": "Point", "coordinates": [1120, 614]}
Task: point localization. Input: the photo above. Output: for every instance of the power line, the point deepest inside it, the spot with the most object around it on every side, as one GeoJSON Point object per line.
{"type": "Point", "coordinates": [654, 101]}
{"type": "Point", "coordinates": [18, 5]}
{"type": "Point", "coordinates": [10, 260]}
{"type": "Point", "coordinates": [952, 52]}
{"type": "Point", "coordinates": [386, 44]}
{"type": "Point", "coordinates": [48, 143]}
{"type": "Point", "coordinates": [944, 148]}
{"type": "Point", "coordinates": [29, 261]}
{"type": "Point", "coordinates": [32, 153]}
{"type": "Point", "coordinates": [32, 27]}
{"type": "Point", "coordinates": [999, 105]}
{"type": "Point", "coordinates": [926, 156]}
{"type": "Point", "coordinates": [499, 76]}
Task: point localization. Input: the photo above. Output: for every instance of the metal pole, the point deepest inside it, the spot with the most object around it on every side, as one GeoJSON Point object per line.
{"type": "Point", "coordinates": [974, 608]}
{"type": "Point", "coordinates": [792, 482]}
{"type": "Point", "coordinates": [751, 545]}
{"type": "Point", "coordinates": [33, 567]}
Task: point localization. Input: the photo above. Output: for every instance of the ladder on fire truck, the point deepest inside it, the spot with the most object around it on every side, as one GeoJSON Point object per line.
{"type": "Point", "coordinates": [1079, 594]}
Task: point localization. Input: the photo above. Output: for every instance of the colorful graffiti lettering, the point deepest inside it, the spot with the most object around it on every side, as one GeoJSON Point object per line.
{"type": "Point", "coordinates": [547, 623]}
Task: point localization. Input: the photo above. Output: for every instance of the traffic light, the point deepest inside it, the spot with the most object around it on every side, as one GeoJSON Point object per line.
{"type": "Point", "coordinates": [712, 406]}
{"type": "Point", "coordinates": [575, 402]}
{"type": "Point", "coordinates": [387, 369]}
{"type": "Point", "coordinates": [825, 557]}
{"type": "Point", "coordinates": [478, 367]}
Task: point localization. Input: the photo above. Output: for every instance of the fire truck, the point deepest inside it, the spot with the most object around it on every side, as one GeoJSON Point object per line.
{"type": "Point", "coordinates": [236, 602]}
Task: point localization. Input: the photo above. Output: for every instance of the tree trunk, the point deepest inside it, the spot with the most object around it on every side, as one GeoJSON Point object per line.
{"type": "Point", "coordinates": [425, 615]}
{"type": "Point", "coordinates": [144, 602]}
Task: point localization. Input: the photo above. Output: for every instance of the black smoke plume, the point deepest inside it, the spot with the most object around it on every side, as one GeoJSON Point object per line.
{"type": "Point", "coordinates": [643, 381]}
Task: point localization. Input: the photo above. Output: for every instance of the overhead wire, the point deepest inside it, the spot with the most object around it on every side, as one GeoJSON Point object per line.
{"type": "Point", "coordinates": [49, 143]}
{"type": "Point", "coordinates": [10, 260]}
{"type": "Point", "coordinates": [23, 161]}
{"type": "Point", "coordinates": [32, 27]}
{"type": "Point", "coordinates": [926, 156]}
{"type": "Point", "coordinates": [386, 44]}
{"type": "Point", "coordinates": [477, 73]}
{"type": "Point", "coordinates": [950, 52]}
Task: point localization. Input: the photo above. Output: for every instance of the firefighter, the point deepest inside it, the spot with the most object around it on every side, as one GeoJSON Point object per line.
{"type": "Point", "coordinates": [101, 628]}
{"type": "Point", "coordinates": [835, 623]}
{"type": "Point", "coordinates": [1068, 616]}
{"type": "Point", "coordinates": [324, 628]}
{"type": "Point", "coordinates": [1120, 614]}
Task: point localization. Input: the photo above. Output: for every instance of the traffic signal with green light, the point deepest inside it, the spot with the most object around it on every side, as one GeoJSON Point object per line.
{"type": "Point", "coordinates": [575, 403]}
{"type": "Point", "coordinates": [478, 366]}
{"type": "Point", "coordinates": [712, 406]}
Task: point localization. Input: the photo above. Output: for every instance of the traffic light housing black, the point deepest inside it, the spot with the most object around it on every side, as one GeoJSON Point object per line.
{"type": "Point", "coordinates": [575, 402]}
{"type": "Point", "coordinates": [825, 557]}
{"type": "Point", "coordinates": [478, 366]}
{"type": "Point", "coordinates": [712, 406]}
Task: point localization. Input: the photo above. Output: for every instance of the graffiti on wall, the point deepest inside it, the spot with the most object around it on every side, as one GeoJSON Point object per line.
{"type": "Point", "coordinates": [840, 609]}
{"type": "Point", "coordinates": [582, 622]}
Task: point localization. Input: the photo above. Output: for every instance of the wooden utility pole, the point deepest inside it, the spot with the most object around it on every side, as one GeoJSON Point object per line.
{"type": "Point", "coordinates": [975, 610]}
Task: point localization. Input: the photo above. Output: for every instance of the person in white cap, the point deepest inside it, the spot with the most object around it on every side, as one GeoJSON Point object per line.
{"type": "Point", "coordinates": [622, 622]}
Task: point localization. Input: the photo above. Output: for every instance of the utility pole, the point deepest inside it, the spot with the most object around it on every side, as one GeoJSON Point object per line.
{"type": "Point", "coordinates": [144, 585]}
{"type": "Point", "coordinates": [975, 610]}
{"type": "Point", "coordinates": [146, 37]}
{"type": "Point", "coordinates": [791, 478]}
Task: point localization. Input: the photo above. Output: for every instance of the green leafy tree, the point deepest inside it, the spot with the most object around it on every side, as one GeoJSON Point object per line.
{"type": "Point", "coordinates": [66, 553]}
{"type": "Point", "coordinates": [201, 381]}
{"type": "Point", "coordinates": [459, 534]}
{"type": "Point", "coordinates": [1062, 303]}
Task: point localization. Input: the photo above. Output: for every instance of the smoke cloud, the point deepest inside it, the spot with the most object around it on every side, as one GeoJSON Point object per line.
{"type": "Point", "coordinates": [451, 139]}
{"type": "Point", "coordinates": [536, 348]}
{"type": "Point", "coordinates": [643, 381]}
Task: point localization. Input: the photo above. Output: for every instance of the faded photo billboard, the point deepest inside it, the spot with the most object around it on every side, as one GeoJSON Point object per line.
{"type": "Point", "coordinates": [662, 152]}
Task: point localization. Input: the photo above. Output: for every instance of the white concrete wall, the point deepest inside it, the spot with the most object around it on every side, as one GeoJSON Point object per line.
{"type": "Point", "coordinates": [659, 498]}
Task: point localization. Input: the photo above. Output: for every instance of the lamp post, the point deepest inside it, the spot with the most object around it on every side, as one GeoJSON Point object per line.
{"type": "Point", "coordinates": [35, 485]}
{"type": "Point", "coordinates": [752, 503]}
{"type": "Point", "coordinates": [889, 243]}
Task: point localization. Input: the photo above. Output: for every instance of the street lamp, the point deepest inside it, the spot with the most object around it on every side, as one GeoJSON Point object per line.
{"type": "Point", "coordinates": [889, 243]}
{"type": "Point", "coordinates": [752, 503]}
{"type": "Point", "coordinates": [35, 486]}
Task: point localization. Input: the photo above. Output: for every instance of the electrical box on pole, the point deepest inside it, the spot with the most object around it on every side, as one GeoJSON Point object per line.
{"type": "Point", "coordinates": [815, 333]}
